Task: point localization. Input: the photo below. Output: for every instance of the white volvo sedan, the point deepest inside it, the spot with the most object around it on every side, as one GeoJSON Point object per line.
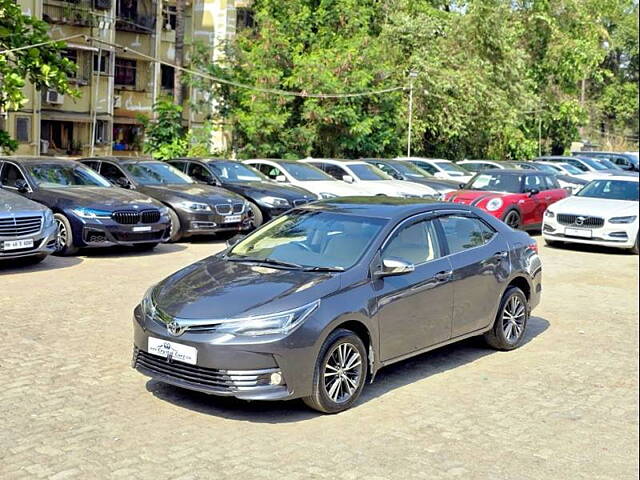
{"type": "Point", "coordinates": [604, 212]}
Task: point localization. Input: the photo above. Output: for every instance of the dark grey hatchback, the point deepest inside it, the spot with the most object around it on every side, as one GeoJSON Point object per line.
{"type": "Point", "coordinates": [314, 303]}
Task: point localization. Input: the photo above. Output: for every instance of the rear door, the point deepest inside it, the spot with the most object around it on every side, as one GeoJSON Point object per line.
{"type": "Point", "coordinates": [480, 266]}
{"type": "Point", "coordinates": [414, 309]}
{"type": "Point", "coordinates": [554, 192]}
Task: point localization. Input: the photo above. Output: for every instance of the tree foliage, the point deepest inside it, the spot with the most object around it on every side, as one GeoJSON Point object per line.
{"type": "Point", "coordinates": [42, 66]}
{"type": "Point", "coordinates": [492, 75]}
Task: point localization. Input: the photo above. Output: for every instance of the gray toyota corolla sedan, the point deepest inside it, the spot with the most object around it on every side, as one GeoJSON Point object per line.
{"type": "Point", "coordinates": [312, 304]}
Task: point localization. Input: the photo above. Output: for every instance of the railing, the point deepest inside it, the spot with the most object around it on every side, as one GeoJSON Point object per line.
{"type": "Point", "coordinates": [78, 13]}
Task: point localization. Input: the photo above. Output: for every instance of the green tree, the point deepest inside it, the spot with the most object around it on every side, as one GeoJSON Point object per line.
{"type": "Point", "coordinates": [42, 66]}
{"type": "Point", "coordinates": [165, 138]}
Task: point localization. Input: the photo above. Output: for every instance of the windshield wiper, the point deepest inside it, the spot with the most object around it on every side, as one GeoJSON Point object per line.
{"type": "Point", "coordinates": [323, 269]}
{"type": "Point", "coordinates": [267, 261]}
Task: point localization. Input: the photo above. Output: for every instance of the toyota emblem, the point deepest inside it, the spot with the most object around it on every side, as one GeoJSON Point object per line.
{"type": "Point", "coordinates": [175, 329]}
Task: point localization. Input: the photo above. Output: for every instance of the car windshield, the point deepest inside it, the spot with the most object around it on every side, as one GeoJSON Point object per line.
{"type": "Point", "coordinates": [156, 173]}
{"type": "Point", "coordinates": [496, 182]}
{"type": "Point", "coordinates": [236, 172]}
{"type": "Point", "coordinates": [548, 168]}
{"type": "Point", "coordinates": [61, 175]}
{"type": "Point", "coordinates": [308, 239]}
{"type": "Point", "coordinates": [593, 164]}
{"type": "Point", "coordinates": [609, 164]}
{"type": "Point", "coordinates": [368, 173]}
{"type": "Point", "coordinates": [452, 168]}
{"type": "Point", "coordinates": [306, 173]}
{"type": "Point", "coordinates": [611, 189]}
{"type": "Point", "coordinates": [411, 170]}
{"type": "Point", "coordinates": [572, 169]}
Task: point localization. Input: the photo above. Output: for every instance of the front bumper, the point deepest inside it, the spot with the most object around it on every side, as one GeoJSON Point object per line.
{"type": "Point", "coordinates": [610, 235]}
{"type": "Point", "coordinates": [106, 233]}
{"type": "Point", "coordinates": [208, 223]}
{"type": "Point", "coordinates": [43, 244]}
{"type": "Point", "coordinates": [228, 365]}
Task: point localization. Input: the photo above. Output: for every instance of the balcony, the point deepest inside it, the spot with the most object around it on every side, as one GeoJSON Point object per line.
{"type": "Point", "coordinates": [136, 23]}
{"type": "Point", "coordinates": [80, 13]}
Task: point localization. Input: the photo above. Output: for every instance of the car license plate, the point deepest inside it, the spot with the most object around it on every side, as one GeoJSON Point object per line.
{"type": "Point", "coordinates": [577, 232]}
{"type": "Point", "coordinates": [17, 244]}
{"type": "Point", "coordinates": [232, 218]}
{"type": "Point", "coordinates": [172, 350]}
{"type": "Point", "coordinates": [142, 229]}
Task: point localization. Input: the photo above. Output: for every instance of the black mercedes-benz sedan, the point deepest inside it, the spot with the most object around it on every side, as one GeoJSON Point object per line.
{"type": "Point", "coordinates": [27, 229]}
{"type": "Point", "coordinates": [409, 172]}
{"type": "Point", "coordinates": [194, 209]}
{"type": "Point", "coordinates": [267, 199]}
{"type": "Point", "coordinates": [314, 303]}
{"type": "Point", "coordinates": [88, 210]}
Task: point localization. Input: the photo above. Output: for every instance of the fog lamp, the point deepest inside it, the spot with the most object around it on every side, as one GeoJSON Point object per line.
{"type": "Point", "coordinates": [275, 378]}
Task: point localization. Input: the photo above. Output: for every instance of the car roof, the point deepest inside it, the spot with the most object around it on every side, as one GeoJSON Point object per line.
{"type": "Point", "coordinates": [334, 161]}
{"type": "Point", "coordinates": [123, 159]}
{"type": "Point", "coordinates": [272, 160]}
{"type": "Point", "coordinates": [39, 159]}
{"type": "Point", "coordinates": [424, 159]}
{"type": "Point", "coordinates": [515, 171]}
{"type": "Point", "coordinates": [383, 207]}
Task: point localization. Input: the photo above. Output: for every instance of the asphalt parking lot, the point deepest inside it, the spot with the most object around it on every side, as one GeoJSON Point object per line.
{"type": "Point", "coordinates": [564, 405]}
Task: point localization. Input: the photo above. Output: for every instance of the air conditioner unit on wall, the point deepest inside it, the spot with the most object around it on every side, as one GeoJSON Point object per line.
{"type": "Point", "coordinates": [117, 101]}
{"type": "Point", "coordinates": [54, 98]}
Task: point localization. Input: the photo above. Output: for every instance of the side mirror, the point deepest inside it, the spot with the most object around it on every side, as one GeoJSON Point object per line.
{"type": "Point", "coordinates": [233, 241]}
{"type": "Point", "coordinates": [123, 182]}
{"type": "Point", "coordinates": [281, 179]}
{"type": "Point", "coordinates": [214, 183]}
{"type": "Point", "coordinates": [394, 266]}
{"type": "Point", "coordinates": [462, 185]}
{"type": "Point", "coordinates": [21, 185]}
{"type": "Point", "coordinates": [347, 178]}
{"type": "Point", "coordinates": [533, 191]}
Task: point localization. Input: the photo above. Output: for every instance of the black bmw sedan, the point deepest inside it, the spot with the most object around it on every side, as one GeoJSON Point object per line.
{"type": "Point", "coordinates": [88, 210]}
{"type": "Point", "coordinates": [314, 303]}
{"type": "Point", "coordinates": [267, 199]}
{"type": "Point", "coordinates": [194, 209]}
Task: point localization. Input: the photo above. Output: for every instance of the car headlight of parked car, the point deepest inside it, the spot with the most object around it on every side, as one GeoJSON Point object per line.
{"type": "Point", "coordinates": [549, 214]}
{"type": "Point", "coordinates": [147, 305]}
{"type": "Point", "coordinates": [276, 202]}
{"type": "Point", "coordinates": [326, 195]}
{"type": "Point", "coordinates": [49, 220]}
{"type": "Point", "coordinates": [164, 210]}
{"type": "Point", "coordinates": [274, 324]}
{"type": "Point", "coordinates": [91, 213]}
{"type": "Point", "coordinates": [494, 204]}
{"type": "Point", "coordinates": [629, 219]}
{"type": "Point", "coordinates": [194, 206]}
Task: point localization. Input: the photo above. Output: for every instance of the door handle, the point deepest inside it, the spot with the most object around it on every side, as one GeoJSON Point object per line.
{"type": "Point", "coordinates": [500, 255]}
{"type": "Point", "coordinates": [443, 276]}
{"type": "Point", "coordinates": [548, 198]}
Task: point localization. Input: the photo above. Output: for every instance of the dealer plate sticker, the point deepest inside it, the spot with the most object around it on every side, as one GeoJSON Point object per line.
{"type": "Point", "coordinates": [142, 229]}
{"type": "Point", "coordinates": [577, 232]}
{"type": "Point", "coordinates": [172, 350]}
{"type": "Point", "coordinates": [232, 218]}
{"type": "Point", "coordinates": [17, 244]}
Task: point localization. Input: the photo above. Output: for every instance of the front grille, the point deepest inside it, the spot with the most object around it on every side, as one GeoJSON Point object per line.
{"type": "Point", "coordinates": [580, 220]}
{"type": "Point", "coordinates": [200, 376]}
{"type": "Point", "coordinates": [20, 226]}
{"type": "Point", "coordinates": [132, 217]}
{"type": "Point", "coordinates": [138, 236]}
{"type": "Point", "coordinates": [238, 207]}
{"type": "Point", "coordinates": [297, 203]}
{"type": "Point", "coordinates": [223, 208]}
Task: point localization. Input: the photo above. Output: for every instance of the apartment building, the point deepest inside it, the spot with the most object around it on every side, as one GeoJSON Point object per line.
{"type": "Point", "coordinates": [116, 86]}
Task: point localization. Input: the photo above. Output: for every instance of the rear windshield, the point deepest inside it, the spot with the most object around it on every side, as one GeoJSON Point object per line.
{"type": "Point", "coordinates": [496, 182]}
{"type": "Point", "coordinates": [611, 189]}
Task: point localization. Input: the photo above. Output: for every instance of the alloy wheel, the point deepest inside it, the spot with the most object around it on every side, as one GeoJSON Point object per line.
{"type": "Point", "coordinates": [62, 236]}
{"type": "Point", "coordinates": [342, 372]}
{"type": "Point", "coordinates": [513, 220]}
{"type": "Point", "coordinates": [513, 318]}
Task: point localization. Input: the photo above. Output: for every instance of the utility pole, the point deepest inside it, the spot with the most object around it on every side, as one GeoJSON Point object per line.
{"type": "Point", "coordinates": [539, 135]}
{"type": "Point", "coordinates": [412, 77]}
{"type": "Point", "coordinates": [177, 78]}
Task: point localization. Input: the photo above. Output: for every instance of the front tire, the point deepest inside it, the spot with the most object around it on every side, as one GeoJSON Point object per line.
{"type": "Point", "coordinates": [340, 373]}
{"type": "Point", "coordinates": [64, 237]}
{"type": "Point", "coordinates": [175, 230]}
{"type": "Point", "coordinates": [636, 248]}
{"type": "Point", "coordinates": [511, 321]}
{"type": "Point", "coordinates": [258, 218]}
{"type": "Point", "coordinates": [513, 219]}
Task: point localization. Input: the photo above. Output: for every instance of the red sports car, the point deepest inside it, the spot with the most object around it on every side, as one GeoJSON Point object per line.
{"type": "Point", "coordinates": [517, 197]}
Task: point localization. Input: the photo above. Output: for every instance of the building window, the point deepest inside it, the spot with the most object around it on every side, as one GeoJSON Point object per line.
{"type": "Point", "coordinates": [169, 17]}
{"type": "Point", "coordinates": [244, 18]}
{"type": "Point", "coordinates": [127, 9]}
{"type": "Point", "coordinates": [102, 132]}
{"type": "Point", "coordinates": [23, 129]}
{"type": "Point", "coordinates": [167, 76]}
{"type": "Point", "coordinates": [103, 67]}
{"type": "Point", "coordinates": [125, 73]}
{"type": "Point", "coordinates": [127, 138]}
{"type": "Point", "coordinates": [72, 56]}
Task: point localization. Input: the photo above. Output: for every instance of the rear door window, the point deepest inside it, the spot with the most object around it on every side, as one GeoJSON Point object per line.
{"type": "Point", "coordinates": [112, 172]}
{"type": "Point", "coordinates": [464, 233]}
{"type": "Point", "coordinates": [10, 174]}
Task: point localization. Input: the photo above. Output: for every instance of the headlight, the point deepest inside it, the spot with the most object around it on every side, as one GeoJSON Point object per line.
{"type": "Point", "coordinates": [494, 204]}
{"type": "Point", "coordinates": [163, 210]}
{"type": "Point", "coordinates": [147, 305]}
{"type": "Point", "coordinates": [276, 202]}
{"type": "Point", "coordinates": [325, 195]}
{"type": "Point", "coordinates": [549, 214]}
{"type": "Point", "coordinates": [629, 219]}
{"type": "Point", "coordinates": [274, 324]}
{"type": "Point", "coordinates": [194, 206]}
{"type": "Point", "coordinates": [49, 220]}
{"type": "Point", "coordinates": [91, 213]}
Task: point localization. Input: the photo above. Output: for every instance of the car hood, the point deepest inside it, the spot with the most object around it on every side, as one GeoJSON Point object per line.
{"type": "Point", "coordinates": [396, 187]}
{"type": "Point", "coordinates": [218, 289]}
{"type": "Point", "coordinates": [595, 207]}
{"type": "Point", "coordinates": [194, 192]}
{"type": "Point", "coordinates": [13, 203]}
{"type": "Point", "coordinates": [99, 197]}
{"type": "Point", "coordinates": [336, 187]}
{"type": "Point", "coordinates": [260, 189]}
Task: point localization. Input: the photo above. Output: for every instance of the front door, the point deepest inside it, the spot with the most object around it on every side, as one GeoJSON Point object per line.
{"type": "Point", "coordinates": [414, 309]}
{"type": "Point", "coordinates": [480, 264]}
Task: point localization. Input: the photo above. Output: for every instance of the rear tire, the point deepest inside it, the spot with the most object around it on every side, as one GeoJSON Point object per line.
{"type": "Point", "coordinates": [511, 321]}
{"type": "Point", "coordinates": [258, 218]}
{"type": "Point", "coordinates": [339, 374]}
{"type": "Point", "coordinates": [175, 230]}
{"type": "Point", "coordinates": [513, 219]}
{"type": "Point", "coordinates": [64, 237]}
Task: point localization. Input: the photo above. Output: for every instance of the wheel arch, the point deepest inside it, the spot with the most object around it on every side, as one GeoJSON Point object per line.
{"type": "Point", "coordinates": [522, 283]}
{"type": "Point", "coordinates": [362, 330]}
